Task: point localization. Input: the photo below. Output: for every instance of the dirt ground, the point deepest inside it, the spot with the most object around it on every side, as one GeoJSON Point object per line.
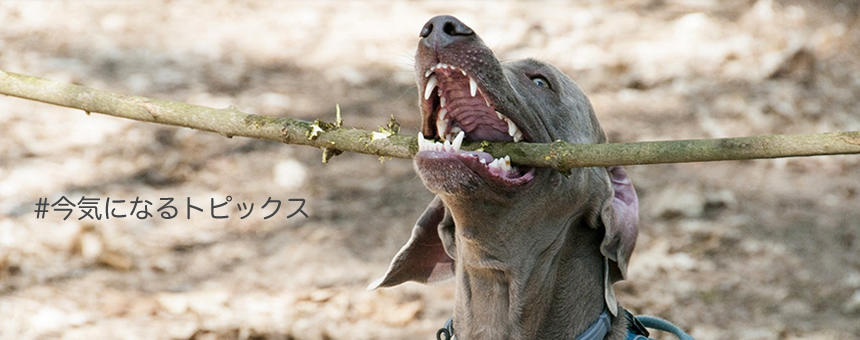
{"type": "Point", "coordinates": [764, 249]}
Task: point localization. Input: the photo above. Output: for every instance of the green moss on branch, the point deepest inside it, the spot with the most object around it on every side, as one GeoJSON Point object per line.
{"type": "Point", "coordinates": [333, 138]}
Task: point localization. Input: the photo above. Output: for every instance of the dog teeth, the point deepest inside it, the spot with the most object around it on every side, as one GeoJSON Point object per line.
{"type": "Point", "coordinates": [513, 130]}
{"type": "Point", "coordinates": [451, 144]}
{"type": "Point", "coordinates": [473, 86]}
{"type": "Point", "coordinates": [518, 136]}
{"type": "Point", "coordinates": [458, 141]}
{"type": "Point", "coordinates": [502, 165]}
{"type": "Point", "coordinates": [428, 89]}
{"type": "Point", "coordinates": [442, 123]}
{"type": "Point", "coordinates": [441, 100]}
{"type": "Point", "coordinates": [499, 166]}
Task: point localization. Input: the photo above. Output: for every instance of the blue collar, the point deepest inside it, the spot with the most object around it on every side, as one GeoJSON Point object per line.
{"type": "Point", "coordinates": [596, 331]}
{"type": "Point", "coordinates": [600, 327]}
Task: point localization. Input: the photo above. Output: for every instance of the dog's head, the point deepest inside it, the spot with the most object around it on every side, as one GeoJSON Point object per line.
{"type": "Point", "coordinates": [467, 94]}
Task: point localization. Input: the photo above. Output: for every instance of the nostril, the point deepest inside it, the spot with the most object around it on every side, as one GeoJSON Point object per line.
{"type": "Point", "coordinates": [456, 27]}
{"type": "Point", "coordinates": [449, 28]}
{"type": "Point", "coordinates": [443, 30]}
{"type": "Point", "coordinates": [426, 30]}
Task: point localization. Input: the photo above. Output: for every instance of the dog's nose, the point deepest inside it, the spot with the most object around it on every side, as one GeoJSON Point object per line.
{"type": "Point", "coordinates": [443, 30]}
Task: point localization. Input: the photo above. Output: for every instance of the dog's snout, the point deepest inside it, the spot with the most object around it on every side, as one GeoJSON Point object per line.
{"type": "Point", "coordinates": [443, 30]}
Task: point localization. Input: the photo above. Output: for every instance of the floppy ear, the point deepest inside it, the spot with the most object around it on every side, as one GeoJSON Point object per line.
{"type": "Point", "coordinates": [620, 217]}
{"type": "Point", "coordinates": [423, 258]}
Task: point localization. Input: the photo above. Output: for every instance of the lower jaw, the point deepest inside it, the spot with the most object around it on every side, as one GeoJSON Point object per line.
{"type": "Point", "coordinates": [463, 173]}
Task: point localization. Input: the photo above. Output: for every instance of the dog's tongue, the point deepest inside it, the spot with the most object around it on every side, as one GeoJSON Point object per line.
{"type": "Point", "coordinates": [488, 158]}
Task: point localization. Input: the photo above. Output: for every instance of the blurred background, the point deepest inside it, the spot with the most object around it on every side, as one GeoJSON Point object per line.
{"type": "Point", "coordinates": [763, 249]}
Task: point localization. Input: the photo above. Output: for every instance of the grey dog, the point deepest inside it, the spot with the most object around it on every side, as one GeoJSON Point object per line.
{"type": "Point", "coordinates": [534, 252]}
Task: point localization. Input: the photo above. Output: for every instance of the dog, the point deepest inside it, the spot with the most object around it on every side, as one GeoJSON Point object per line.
{"type": "Point", "coordinates": [534, 252]}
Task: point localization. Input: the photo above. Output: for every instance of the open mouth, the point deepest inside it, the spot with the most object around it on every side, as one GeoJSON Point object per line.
{"type": "Point", "coordinates": [457, 109]}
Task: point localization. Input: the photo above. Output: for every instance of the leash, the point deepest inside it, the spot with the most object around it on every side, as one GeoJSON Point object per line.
{"type": "Point", "coordinates": [447, 331]}
{"type": "Point", "coordinates": [659, 324]}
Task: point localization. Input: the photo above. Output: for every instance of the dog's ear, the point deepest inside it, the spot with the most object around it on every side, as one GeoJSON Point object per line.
{"type": "Point", "coordinates": [620, 217]}
{"type": "Point", "coordinates": [424, 257]}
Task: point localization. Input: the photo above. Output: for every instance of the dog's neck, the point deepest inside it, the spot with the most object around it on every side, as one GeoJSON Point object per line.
{"type": "Point", "coordinates": [553, 292]}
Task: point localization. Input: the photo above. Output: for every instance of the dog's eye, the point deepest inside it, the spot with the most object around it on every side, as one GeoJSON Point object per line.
{"type": "Point", "coordinates": [540, 81]}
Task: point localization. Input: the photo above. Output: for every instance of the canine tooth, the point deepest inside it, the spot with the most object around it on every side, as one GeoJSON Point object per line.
{"type": "Point", "coordinates": [458, 141]}
{"type": "Point", "coordinates": [441, 100]}
{"type": "Point", "coordinates": [442, 123]}
{"type": "Point", "coordinates": [441, 126]}
{"type": "Point", "coordinates": [518, 136]}
{"type": "Point", "coordinates": [512, 128]}
{"type": "Point", "coordinates": [501, 116]}
{"type": "Point", "coordinates": [427, 73]}
{"type": "Point", "coordinates": [473, 86]}
{"type": "Point", "coordinates": [463, 72]}
{"type": "Point", "coordinates": [431, 83]}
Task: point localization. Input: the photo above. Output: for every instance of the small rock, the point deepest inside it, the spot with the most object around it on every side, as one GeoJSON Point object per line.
{"type": "Point", "coordinates": [307, 329]}
{"type": "Point", "coordinates": [182, 329]}
{"type": "Point", "coordinates": [679, 202]}
{"type": "Point", "coordinates": [798, 64]}
{"type": "Point", "coordinates": [852, 306]}
{"type": "Point", "coordinates": [403, 314]}
{"type": "Point", "coordinates": [63, 236]}
{"type": "Point", "coordinates": [91, 246]}
{"type": "Point", "coordinates": [210, 302]}
{"type": "Point", "coordinates": [116, 260]}
{"type": "Point", "coordinates": [290, 174]}
{"type": "Point", "coordinates": [720, 199]}
{"type": "Point", "coordinates": [173, 303]}
{"type": "Point", "coordinates": [321, 295]}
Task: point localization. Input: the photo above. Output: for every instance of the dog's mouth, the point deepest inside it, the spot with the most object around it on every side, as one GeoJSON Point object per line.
{"type": "Point", "coordinates": [455, 109]}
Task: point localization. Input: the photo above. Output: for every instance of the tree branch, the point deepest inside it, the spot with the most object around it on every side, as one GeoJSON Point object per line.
{"type": "Point", "coordinates": [333, 138]}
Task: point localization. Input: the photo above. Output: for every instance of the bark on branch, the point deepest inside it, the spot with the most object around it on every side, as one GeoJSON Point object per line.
{"type": "Point", "coordinates": [333, 138]}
